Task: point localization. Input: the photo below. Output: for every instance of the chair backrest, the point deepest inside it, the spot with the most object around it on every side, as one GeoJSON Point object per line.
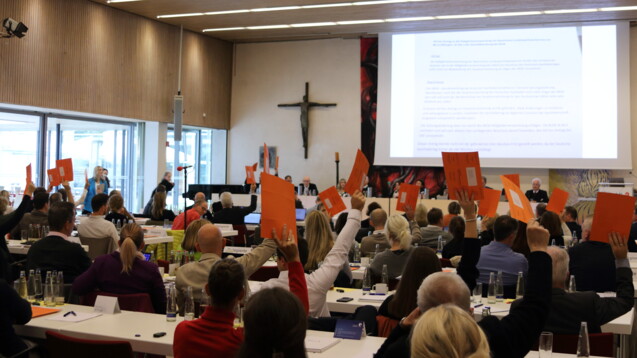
{"type": "Point", "coordinates": [240, 239]}
{"type": "Point", "coordinates": [63, 346]}
{"type": "Point", "coordinates": [445, 262]}
{"type": "Point", "coordinates": [601, 344]}
{"type": "Point", "coordinates": [98, 245]}
{"type": "Point", "coordinates": [139, 302]}
{"type": "Point", "coordinates": [385, 325]}
{"type": "Point", "coordinates": [264, 274]}
{"type": "Point", "coordinates": [155, 222]}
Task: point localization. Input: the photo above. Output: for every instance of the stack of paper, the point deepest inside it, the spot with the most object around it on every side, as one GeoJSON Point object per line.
{"type": "Point", "coordinates": [316, 344]}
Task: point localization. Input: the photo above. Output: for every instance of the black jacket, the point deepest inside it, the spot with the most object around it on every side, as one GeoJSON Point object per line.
{"type": "Point", "coordinates": [541, 196]}
{"type": "Point", "coordinates": [8, 222]}
{"type": "Point", "coordinates": [236, 214]}
{"type": "Point", "coordinates": [593, 265]}
{"type": "Point", "coordinates": [55, 253]}
{"type": "Point", "coordinates": [13, 310]}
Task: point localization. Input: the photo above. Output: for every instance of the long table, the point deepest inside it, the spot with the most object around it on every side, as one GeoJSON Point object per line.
{"type": "Point", "coordinates": [138, 329]}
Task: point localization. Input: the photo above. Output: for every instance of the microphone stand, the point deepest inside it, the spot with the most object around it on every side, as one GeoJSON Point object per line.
{"type": "Point", "coordinates": [337, 176]}
{"type": "Point", "coordinates": [185, 199]}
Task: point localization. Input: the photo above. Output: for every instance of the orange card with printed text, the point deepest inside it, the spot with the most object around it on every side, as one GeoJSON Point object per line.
{"type": "Point", "coordinates": [54, 176]}
{"type": "Point", "coordinates": [29, 177]}
{"type": "Point", "coordinates": [332, 201]}
{"type": "Point", "coordinates": [519, 204]}
{"type": "Point", "coordinates": [407, 195]}
{"type": "Point", "coordinates": [613, 213]}
{"type": "Point", "coordinates": [66, 169]}
{"type": "Point", "coordinates": [266, 159]}
{"type": "Point", "coordinates": [277, 206]}
{"type": "Point", "coordinates": [489, 204]}
{"type": "Point", "coordinates": [515, 178]}
{"type": "Point", "coordinates": [462, 171]}
{"type": "Point", "coordinates": [558, 200]}
{"type": "Point", "coordinates": [356, 179]}
{"type": "Point", "coordinates": [250, 179]}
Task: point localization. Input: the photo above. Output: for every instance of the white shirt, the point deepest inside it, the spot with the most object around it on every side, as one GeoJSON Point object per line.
{"type": "Point", "coordinates": [96, 227]}
{"type": "Point", "coordinates": [72, 239]}
{"type": "Point", "coordinates": [321, 280]}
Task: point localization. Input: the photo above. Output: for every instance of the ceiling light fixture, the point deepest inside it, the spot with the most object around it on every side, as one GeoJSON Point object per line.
{"type": "Point", "coordinates": [224, 29]}
{"type": "Point", "coordinates": [464, 16]}
{"type": "Point", "coordinates": [267, 27]}
{"type": "Point", "coordinates": [618, 8]}
{"type": "Point", "coordinates": [401, 19]}
{"type": "Point", "coordinates": [180, 15]}
{"type": "Point", "coordinates": [519, 13]}
{"type": "Point", "coordinates": [226, 12]}
{"type": "Point", "coordinates": [280, 8]}
{"type": "Point", "coordinates": [568, 11]}
{"type": "Point", "coordinates": [357, 22]}
{"type": "Point", "coordinates": [313, 24]}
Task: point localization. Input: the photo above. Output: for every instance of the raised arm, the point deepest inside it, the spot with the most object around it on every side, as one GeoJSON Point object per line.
{"type": "Point", "coordinates": [296, 275]}
{"type": "Point", "coordinates": [467, 269]}
{"type": "Point", "coordinates": [609, 308]}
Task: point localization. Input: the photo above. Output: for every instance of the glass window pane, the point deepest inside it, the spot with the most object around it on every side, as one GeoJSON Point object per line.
{"type": "Point", "coordinates": [19, 135]}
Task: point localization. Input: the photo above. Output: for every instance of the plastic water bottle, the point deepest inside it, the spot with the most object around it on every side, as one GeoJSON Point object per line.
{"type": "Point", "coordinates": [59, 292]}
{"type": "Point", "coordinates": [519, 290]}
{"type": "Point", "coordinates": [571, 284]}
{"type": "Point", "coordinates": [189, 305]}
{"type": "Point", "coordinates": [357, 252]}
{"type": "Point", "coordinates": [38, 285]}
{"type": "Point", "coordinates": [384, 275]}
{"type": "Point", "coordinates": [204, 302]}
{"type": "Point", "coordinates": [376, 251]}
{"type": "Point", "coordinates": [49, 290]}
{"type": "Point", "coordinates": [171, 304]}
{"type": "Point", "coordinates": [439, 244]}
{"type": "Point", "coordinates": [582, 342]}
{"type": "Point", "coordinates": [367, 280]}
{"type": "Point", "coordinates": [499, 288]}
{"type": "Point", "coordinates": [31, 286]}
{"type": "Point", "coordinates": [491, 289]}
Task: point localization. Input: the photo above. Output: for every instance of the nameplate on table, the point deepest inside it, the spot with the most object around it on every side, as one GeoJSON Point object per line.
{"type": "Point", "coordinates": [106, 304]}
{"type": "Point", "coordinates": [236, 250]}
{"type": "Point", "coordinates": [348, 329]}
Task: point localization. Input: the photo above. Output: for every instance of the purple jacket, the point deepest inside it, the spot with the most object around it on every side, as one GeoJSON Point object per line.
{"type": "Point", "coordinates": [105, 274]}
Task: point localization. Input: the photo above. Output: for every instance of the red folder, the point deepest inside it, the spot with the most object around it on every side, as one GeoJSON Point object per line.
{"type": "Point", "coordinates": [66, 169]}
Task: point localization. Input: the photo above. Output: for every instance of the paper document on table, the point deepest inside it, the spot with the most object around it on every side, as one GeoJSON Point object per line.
{"type": "Point", "coordinates": [78, 317]}
{"type": "Point", "coordinates": [373, 298]}
{"type": "Point", "coordinates": [316, 344]}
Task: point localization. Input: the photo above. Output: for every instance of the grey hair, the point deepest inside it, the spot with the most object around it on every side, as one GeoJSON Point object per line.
{"type": "Point", "coordinates": [226, 199]}
{"type": "Point", "coordinates": [443, 287]}
{"type": "Point", "coordinates": [538, 179]}
{"type": "Point", "coordinates": [560, 260]}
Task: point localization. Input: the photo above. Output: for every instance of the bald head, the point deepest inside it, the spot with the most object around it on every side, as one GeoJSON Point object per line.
{"type": "Point", "coordinates": [209, 239]}
{"type": "Point", "coordinates": [443, 287]}
{"type": "Point", "coordinates": [200, 196]}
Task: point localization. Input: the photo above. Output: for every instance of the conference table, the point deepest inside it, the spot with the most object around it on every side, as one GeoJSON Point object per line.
{"type": "Point", "coordinates": [138, 329]}
{"type": "Point", "coordinates": [17, 247]}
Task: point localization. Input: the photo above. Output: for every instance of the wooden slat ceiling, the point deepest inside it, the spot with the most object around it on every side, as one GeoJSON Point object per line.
{"type": "Point", "coordinates": [153, 8]}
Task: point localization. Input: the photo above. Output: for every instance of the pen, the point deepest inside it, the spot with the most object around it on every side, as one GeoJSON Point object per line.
{"type": "Point", "coordinates": [377, 294]}
{"type": "Point", "coordinates": [69, 312]}
{"type": "Point", "coordinates": [476, 306]}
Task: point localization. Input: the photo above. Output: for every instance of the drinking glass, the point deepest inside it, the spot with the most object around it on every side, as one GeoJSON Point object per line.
{"type": "Point", "coordinates": [546, 345]}
{"type": "Point", "coordinates": [477, 293]}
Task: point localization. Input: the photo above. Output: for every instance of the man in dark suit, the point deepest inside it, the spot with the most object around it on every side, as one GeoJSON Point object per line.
{"type": "Point", "coordinates": [307, 188]}
{"type": "Point", "coordinates": [231, 214]}
{"type": "Point", "coordinates": [569, 309]}
{"type": "Point", "coordinates": [536, 194]}
{"type": "Point", "coordinates": [592, 263]}
{"type": "Point", "coordinates": [55, 252]}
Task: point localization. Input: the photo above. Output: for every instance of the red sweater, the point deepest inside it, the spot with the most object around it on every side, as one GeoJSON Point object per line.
{"type": "Point", "coordinates": [178, 223]}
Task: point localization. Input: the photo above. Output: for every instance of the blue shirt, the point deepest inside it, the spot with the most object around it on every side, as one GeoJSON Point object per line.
{"type": "Point", "coordinates": [91, 191]}
{"type": "Point", "coordinates": [499, 257]}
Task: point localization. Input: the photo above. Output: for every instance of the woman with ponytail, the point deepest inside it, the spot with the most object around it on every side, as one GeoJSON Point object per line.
{"type": "Point", "coordinates": [399, 233]}
{"type": "Point", "coordinates": [125, 271]}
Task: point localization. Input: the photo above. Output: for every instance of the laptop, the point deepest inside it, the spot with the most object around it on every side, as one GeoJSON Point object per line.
{"type": "Point", "coordinates": [253, 219]}
{"type": "Point", "coordinates": [300, 214]}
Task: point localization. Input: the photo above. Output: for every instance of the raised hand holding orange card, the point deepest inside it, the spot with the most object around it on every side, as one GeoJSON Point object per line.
{"type": "Point", "coordinates": [250, 179]}
{"type": "Point", "coordinates": [613, 213]}
{"type": "Point", "coordinates": [407, 196]}
{"type": "Point", "coordinates": [66, 169]}
{"type": "Point", "coordinates": [277, 206]}
{"type": "Point", "coordinates": [332, 201]}
{"type": "Point", "coordinates": [519, 205]}
{"type": "Point", "coordinates": [29, 177]}
{"type": "Point", "coordinates": [489, 204]}
{"type": "Point", "coordinates": [462, 171]}
{"type": "Point", "coordinates": [356, 179]}
{"type": "Point", "coordinates": [558, 201]}
{"type": "Point", "coordinates": [54, 176]}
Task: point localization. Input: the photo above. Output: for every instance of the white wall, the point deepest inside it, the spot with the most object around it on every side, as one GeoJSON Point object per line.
{"type": "Point", "coordinates": [267, 74]}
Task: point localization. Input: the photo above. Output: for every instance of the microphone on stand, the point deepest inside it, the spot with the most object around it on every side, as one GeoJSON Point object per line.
{"type": "Point", "coordinates": [182, 168]}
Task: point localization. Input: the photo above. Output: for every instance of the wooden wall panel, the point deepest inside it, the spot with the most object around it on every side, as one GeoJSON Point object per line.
{"type": "Point", "coordinates": [83, 56]}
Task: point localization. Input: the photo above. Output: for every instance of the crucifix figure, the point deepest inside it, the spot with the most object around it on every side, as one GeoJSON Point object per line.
{"type": "Point", "coordinates": [305, 107]}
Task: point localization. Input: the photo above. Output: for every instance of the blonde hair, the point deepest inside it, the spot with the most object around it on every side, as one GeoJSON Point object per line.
{"type": "Point", "coordinates": [319, 238]}
{"type": "Point", "coordinates": [420, 215]}
{"type": "Point", "coordinates": [447, 331]}
{"type": "Point", "coordinates": [158, 205]}
{"type": "Point", "coordinates": [130, 239]}
{"type": "Point", "coordinates": [397, 229]}
{"type": "Point", "coordinates": [96, 176]}
{"type": "Point", "coordinates": [191, 234]}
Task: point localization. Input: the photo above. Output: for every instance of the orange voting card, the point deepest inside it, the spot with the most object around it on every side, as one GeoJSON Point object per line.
{"type": "Point", "coordinates": [250, 175]}
{"type": "Point", "coordinates": [489, 203]}
{"type": "Point", "coordinates": [29, 178]}
{"type": "Point", "coordinates": [277, 206]}
{"type": "Point", "coordinates": [54, 176]}
{"type": "Point", "coordinates": [356, 179]}
{"type": "Point", "coordinates": [519, 205]}
{"type": "Point", "coordinates": [462, 171]}
{"type": "Point", "coordinates": [37, 311]}
{"type": "Point", "coordinates": [332, 201]}
{"type": "Point", "coordinates": [558, 201]}
{"type": "Point", "coordinates": [66, 169]}
{"type": "Point", "coordinates": [613, 213]}
{"type": "Point", "coordinates": [515, 178]}
{"type": "Point", "coordinates": [407, 195]}
{"type": "Point", "coordinates": [266, 159]}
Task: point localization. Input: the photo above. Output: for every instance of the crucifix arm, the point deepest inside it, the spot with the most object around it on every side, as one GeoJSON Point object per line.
{"type": "Point", "coordinates": [291, 104]}
{"type": "Point", "coordinates": [315, 104]}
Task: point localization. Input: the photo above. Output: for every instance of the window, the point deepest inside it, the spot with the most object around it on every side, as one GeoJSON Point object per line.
{"type": "Point", "coordinates": [19, 147]}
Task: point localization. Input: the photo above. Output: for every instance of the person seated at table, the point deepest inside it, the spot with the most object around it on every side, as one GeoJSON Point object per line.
{"type": "Point", "coordinates": [569, 216]}
{"type": "Point", "coordinates": [231, 214]}
{"type": "Point", "coordinates": [433, 230]}
{"type": "Point", "coordinates": [158, 211]}
{"type": "Point", "coordinates": [125, 271]}
{"type": "Point", "coordinates": [569, 309]}
{"type": "Point", "coordinates": [421, 263]}
{"type": "Point", "coordinates": [378, 237]}
{"type": "Point", "coordinates": [551, 222]}
{"type": "Point", "coordinates": [117, 213]}
{"type": "Point", "coordinates": [448, 331]}
{"type": "Point", "coordinates": [366, 229]}
{"type": "Point", "coordinates": [322, 279]}
{"type": "Point", "coordinates": [592, 263]}
{"type": "Point", "coordinates": [36, 217]}
{"type": "Point", "coordinates": [190, 236]}
{"type": "Point", "coordinates": [486, 229]}
{"type": "Point", "coordinates": [210, 243]}
{"type": "Point", "coordinates": [454, 210]}
{"type": "Point", "coordinates": [7, 222]}
{"type": "Point", "coordinates": [536, 194]}
{"type": "Point", "coordinates": [454, 247]}
{"type": "Point", "coordinates": [95, 226]}
{"type": "Point", "coordinates": [395, 190]}
{"type": "Point", "coordinates": [13, 310]}
{"type": "Point", "coordinates": [420, 215]}
{"type": "Point", "coordinates": [56, 252]}
{"type": "Point", "coordinates": [498, 256]}
{"type": "Point", "coordinates": [198, 209]}
{"type": "Point", "coordinates": [398, 232]}
{"type": "Point", "coordinates": [166, 184]}
{"type": "Point", "coordinates": [307, 187]}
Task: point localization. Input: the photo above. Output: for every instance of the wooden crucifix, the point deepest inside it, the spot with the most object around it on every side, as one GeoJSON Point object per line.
{"type": "Point", "coordinates": [305, 107]}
